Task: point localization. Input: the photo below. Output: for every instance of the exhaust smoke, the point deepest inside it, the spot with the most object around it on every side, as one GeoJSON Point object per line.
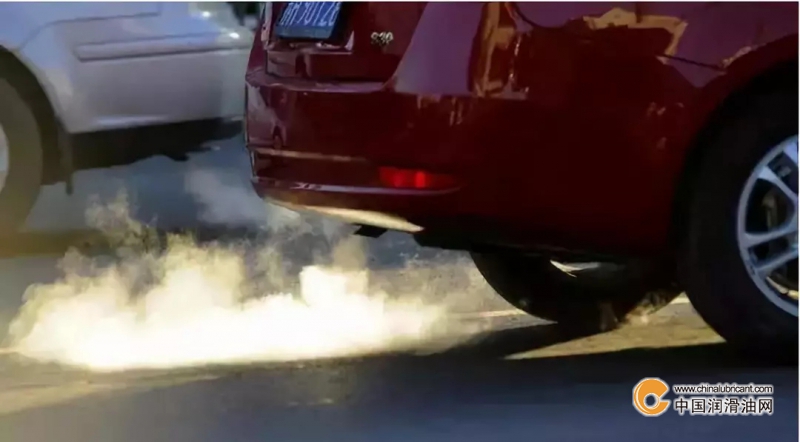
{"type": "Point", "coordinates": [301, 290]}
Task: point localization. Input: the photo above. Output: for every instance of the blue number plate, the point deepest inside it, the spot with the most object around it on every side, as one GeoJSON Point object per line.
{"type": "Point", "coordinates": [308, 20]}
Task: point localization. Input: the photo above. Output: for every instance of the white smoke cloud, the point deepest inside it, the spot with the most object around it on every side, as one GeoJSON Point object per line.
{"type": "Point", "coordinates": [165, 303]}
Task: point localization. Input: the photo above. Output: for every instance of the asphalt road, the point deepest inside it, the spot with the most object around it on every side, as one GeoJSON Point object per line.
{"type": "Point", "coordinates": [515, 378]}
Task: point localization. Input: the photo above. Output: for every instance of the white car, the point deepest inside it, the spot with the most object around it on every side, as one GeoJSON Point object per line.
{"type": "Point", "coordinates": [82, 83]}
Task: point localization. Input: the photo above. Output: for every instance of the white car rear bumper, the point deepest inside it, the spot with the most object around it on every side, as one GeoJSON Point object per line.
{"type": "Point", "coordinates": [111, 86]}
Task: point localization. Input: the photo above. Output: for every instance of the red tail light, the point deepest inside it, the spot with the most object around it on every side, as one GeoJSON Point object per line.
{"type": "Point", "coordinates": [414, 179]}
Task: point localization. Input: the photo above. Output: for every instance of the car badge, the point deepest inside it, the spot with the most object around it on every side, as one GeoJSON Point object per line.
{"type": "Point", "coordinates": [381, 39]}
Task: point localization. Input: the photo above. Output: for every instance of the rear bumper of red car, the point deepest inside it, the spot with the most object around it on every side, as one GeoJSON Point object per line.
{"type": "Point", "coordinates": [349, 151]}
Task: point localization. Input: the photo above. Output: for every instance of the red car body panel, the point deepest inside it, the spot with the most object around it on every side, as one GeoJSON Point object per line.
{"type": "Point", "coordinates": [554, 125]}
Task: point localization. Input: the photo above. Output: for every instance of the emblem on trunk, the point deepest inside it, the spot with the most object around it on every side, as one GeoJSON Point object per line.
{"type": "Point", "coordinates": [381, 39]}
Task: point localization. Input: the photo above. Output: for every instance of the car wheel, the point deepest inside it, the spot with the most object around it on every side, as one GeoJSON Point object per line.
{"type": "Point", "coordinates": [20, 158]}
{"type": "Point", "coordinates": [739, 257]}
{"type": "Point", "coordinates": [587, 298]}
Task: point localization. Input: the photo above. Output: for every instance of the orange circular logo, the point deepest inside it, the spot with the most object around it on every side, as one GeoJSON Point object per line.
{"type": "Point", "coordinates": [656, 388]}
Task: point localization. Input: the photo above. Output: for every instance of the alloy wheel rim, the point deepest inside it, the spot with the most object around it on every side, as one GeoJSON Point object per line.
{"type": "Point", "coordinates": [4, 159]}
{"type": "Point", "coordinates": [766, 225]}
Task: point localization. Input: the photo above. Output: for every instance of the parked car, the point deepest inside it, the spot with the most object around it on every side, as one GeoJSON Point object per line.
{"type": "Point", "coordinates": [86, 84]}
{"type": "Point", "coordinates": [656, 140]}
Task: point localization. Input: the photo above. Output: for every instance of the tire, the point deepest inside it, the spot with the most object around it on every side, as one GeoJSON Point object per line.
{"type": "Point", "coordinates": [25, 158]}
{"type": "Point", "coordinates": [591, 300]}
{"type": "Point", "coordinates": [711, 265]}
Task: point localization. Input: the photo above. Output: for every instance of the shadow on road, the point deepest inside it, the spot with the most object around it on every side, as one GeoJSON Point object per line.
{"type": "Point", "coordinates": [494, 352]}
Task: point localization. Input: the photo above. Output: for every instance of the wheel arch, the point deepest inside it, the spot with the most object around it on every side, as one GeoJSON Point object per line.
{"type": "Point", "coordinates": [26, 82]}
{"type": "Point", "coordinates": [774, 67]}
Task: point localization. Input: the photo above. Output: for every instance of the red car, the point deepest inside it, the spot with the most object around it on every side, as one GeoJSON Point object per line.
{"type": "Point", "coordinates": [657, 140]}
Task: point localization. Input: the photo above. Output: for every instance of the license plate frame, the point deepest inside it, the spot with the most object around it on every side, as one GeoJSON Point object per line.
{"type": "Point", "coordinates": [319, 21]}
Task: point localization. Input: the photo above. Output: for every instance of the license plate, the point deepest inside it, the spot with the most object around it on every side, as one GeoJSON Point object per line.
{"type": "Point", "coordinates": [308, 20]}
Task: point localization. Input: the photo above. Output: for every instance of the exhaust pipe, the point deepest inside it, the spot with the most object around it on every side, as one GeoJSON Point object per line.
{"type": "Point", "coordinates": [370, 231]}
